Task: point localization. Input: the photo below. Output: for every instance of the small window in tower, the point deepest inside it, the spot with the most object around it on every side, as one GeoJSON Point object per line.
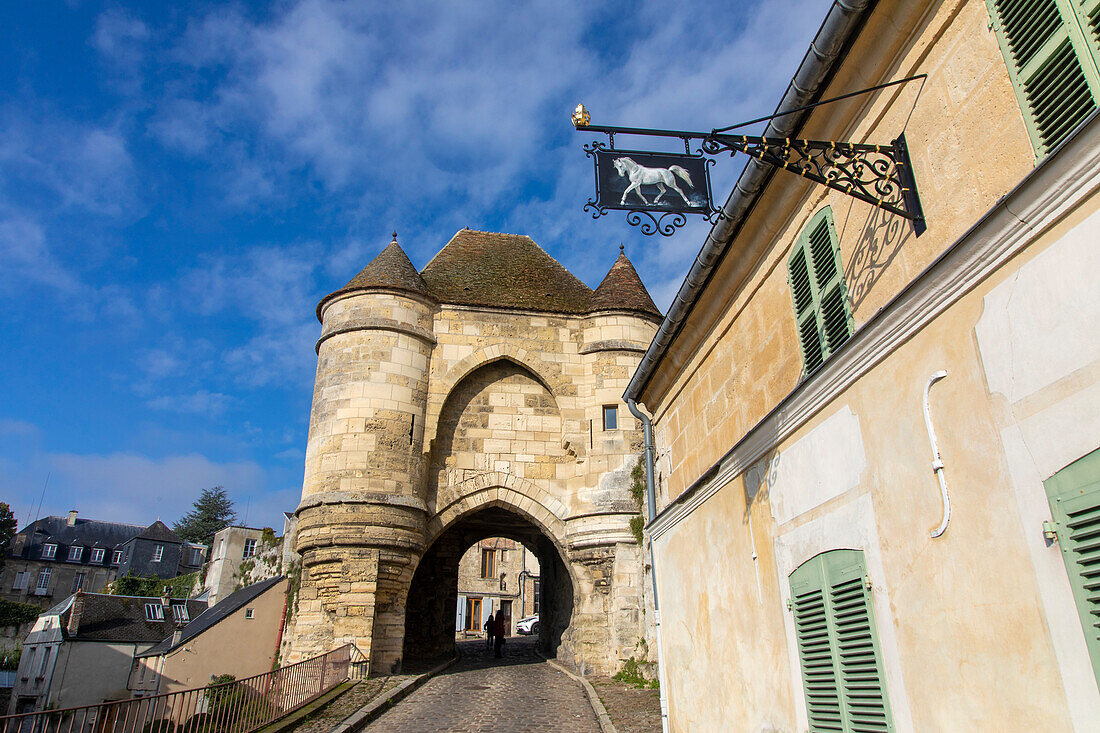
{"type": "Point", "coordinates": [610, 417]}
{"type": "Point", "coordinates": [248, 613]}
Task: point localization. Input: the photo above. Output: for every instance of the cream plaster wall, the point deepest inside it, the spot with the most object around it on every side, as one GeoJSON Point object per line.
{"type": "Point", "coordinates": [978, 629]}
{"type": "Point", "coordinates": [236, 645]}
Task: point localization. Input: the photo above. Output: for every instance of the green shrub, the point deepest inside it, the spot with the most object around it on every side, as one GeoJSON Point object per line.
{"type": "Point", "coordinates": [632, 674]}
{"type": "Point", "coordinates": [14, 614]}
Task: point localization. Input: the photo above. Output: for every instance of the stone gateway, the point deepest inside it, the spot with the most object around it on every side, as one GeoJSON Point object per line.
{"type": "Point", "coordinates": [480, 397]}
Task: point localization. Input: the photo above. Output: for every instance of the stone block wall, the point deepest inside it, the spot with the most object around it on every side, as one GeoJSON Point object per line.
{"type": "Point", "coordinates": [421, 412]}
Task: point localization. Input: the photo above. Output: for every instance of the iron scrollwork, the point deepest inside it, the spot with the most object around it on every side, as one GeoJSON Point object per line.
{"type": "Point", "coordinates": [880, 175]}
{"type": "Point", "coordinates": [687, 177]}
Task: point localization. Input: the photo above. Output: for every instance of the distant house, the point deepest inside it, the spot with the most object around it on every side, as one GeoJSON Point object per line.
{"type": "Point", "coordinates": [244, 555]}
{"type": "Point", "coordinates": [238, 636]}
{"type": "Point", "coordinates": [80, 651]}
{"type": "Point", "coordinates": [57, 556]}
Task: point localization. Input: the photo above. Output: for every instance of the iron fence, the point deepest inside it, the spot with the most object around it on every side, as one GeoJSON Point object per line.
{"type": "Point", "coordinates": [240, 706]}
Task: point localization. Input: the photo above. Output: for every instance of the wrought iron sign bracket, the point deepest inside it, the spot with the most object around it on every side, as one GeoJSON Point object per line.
{"type": "Point", "coordinates": [879, 175]}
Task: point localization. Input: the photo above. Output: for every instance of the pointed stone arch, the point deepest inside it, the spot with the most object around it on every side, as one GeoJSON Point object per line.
{"type": "Point", "coordinates": [495, 488]}
{"type": "Point", "coordinates": [547, 374]}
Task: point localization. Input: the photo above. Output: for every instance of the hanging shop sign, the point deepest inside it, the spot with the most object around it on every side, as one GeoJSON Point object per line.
{"type": "Point", "coordinates": [658, 189]}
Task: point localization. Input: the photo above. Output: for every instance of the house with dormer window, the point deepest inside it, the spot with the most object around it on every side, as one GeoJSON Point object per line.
{"type": "Point", "coordinates": [55, 556]}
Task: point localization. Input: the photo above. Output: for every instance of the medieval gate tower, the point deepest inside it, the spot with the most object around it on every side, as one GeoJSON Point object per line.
{"type": "Point", "coordinates": [479, 397]}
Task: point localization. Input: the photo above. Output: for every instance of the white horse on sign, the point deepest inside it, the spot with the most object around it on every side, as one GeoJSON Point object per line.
{"type": "Point", "coordinates": [662, 178]}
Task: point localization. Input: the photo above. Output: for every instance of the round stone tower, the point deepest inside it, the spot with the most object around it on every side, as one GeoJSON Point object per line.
{"type": "Point", "coordinates": [361, 519]}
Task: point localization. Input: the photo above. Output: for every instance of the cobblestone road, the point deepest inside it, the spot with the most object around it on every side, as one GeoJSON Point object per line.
{"type": "Point", "coordinates": [520, 692]}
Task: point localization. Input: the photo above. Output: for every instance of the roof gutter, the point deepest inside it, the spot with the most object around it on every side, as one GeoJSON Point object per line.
{"type": "Point", "coordinates": [828, 48]}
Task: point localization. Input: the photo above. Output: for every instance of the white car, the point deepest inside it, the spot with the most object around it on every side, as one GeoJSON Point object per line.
{"type": "Point", "coordinates": [529, 625]}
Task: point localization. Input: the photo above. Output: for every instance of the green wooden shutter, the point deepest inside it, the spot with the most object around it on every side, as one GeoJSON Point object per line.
{"type": "Point", "coordinates": [816, 278]}
{"type": "Point", "coordinates": [1074, 495]}
{"type": "Point", "coordinates": [1051, 50]}
{"type": "Point", "coordinates": [838, 646]}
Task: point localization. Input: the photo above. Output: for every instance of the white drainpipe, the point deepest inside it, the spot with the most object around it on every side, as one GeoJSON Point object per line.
{"type": "Point", "coordinates": [937, 462]}
{"type": "Point", "coordinates": [651, 496]}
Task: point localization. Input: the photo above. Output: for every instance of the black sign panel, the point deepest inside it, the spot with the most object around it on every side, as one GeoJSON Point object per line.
{"type": "Point", "coordinates": [645, 181]}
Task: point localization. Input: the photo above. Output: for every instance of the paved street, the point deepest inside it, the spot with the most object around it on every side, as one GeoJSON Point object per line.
{"type": "Point", "coordinates": [520, 692]}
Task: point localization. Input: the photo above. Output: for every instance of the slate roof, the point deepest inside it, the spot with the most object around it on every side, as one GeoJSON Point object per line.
{"type": "Point", "coordinates": [122, 618]}
{"type": "Point", "coordinates": [501, 271]}
{"type": "Point", "coordinates": [219, 611]}
{"type": "Point", "coordinates": [622, 289]}
{"type": "Point", "coordinates": [158, 532]}
{"type": "Point", "coordinates": [86, 533]}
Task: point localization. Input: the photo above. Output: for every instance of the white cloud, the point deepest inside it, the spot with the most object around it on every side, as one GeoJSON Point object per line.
{"type": "Point", "coordinates": [127, 487]}
{"type": "Point", "coordinates": [201, 402]}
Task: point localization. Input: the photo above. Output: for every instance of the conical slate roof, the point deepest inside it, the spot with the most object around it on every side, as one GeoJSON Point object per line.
{"type": "Point", "coordinates": [622, 289]}
{"type": "Point", "coordinates": [391, 268]}
{"type": "Point", "coordinates": [503, 271]}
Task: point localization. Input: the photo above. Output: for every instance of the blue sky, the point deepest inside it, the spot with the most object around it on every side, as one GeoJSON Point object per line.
{"type": "Point", "coordinates": [180, 183]}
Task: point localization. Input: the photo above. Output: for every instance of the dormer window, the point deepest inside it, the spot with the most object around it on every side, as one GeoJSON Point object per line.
{"type": "Point", "coordinates": [158, 553]}
{"type": "Point", "coordinates": [116, 558]}
{"type": "Point", "coordinates": [75, 553]}
{"type": "Point", "coordinates": [154, 612]}
{"type": "Point", "coordinates": [49, 551]}
{"type": "Point", "coordinates": [97, 555]}
{"type": "Point", "coordinates": [180, 613]}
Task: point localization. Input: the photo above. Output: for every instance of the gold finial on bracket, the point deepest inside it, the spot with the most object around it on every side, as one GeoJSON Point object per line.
{"type": "Point", "coordinates": [581, 118]}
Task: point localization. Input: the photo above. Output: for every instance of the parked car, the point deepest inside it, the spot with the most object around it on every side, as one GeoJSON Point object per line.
{"type": "Point", "coordinates": [529, 625]}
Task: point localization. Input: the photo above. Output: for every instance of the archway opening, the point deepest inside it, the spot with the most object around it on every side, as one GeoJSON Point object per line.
{"type": "Point", "coordinates": [433, 618]}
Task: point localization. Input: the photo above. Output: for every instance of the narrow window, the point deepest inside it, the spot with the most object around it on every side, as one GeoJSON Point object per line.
{"type": "Point", "coordinates": [1074, 496]}
{"type": "Point", "coordinates": [248, 613]}
{"type": "Point", "coordinates": [49, 551]}
{"type": "Point", "coordinates": [97, 555]}
{"type": "Point", "coordinates": [20, 581]}
{"type": "Point", "coordinates": [838, 647]}
{"type": "Point", "coordinates": [473, 614]}
{"type": "Point", "coordinates": [158, 553]}
{"type": "Point", "coordinates": [154, 612]}
{"type": "Point", "coordinates": [45, 661]}
{"type": "Point", "coordinates": [78, 582]}
{"type": "Point", "coordinates": [249, 548]}
{"type": "Point", "coordinates": [1051, 51]}
{"type": "Point", "coordinates": [538, 595]}
{"type": "Point", "coordinates": [488, 563]}
{"type": "Point", "coordinates": [75, 552]}
{"type": "Point", "coordinates": [822, 313]}
{"type": "Point", "coordinates": [43, 583]}
{"type": "Point", "coordinates": [116, 557]}
{"type": "Point", "coordinates": [610, 417]}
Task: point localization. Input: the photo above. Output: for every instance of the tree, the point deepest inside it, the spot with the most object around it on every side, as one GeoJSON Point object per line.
{"type": "Point", "coordinates": [212, 511]}
{"type": "Point", "coordinates": [7, 531]}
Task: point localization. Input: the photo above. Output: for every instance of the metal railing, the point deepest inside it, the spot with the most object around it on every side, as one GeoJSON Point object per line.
{"type": "Point", "coordinates": [239, 706]}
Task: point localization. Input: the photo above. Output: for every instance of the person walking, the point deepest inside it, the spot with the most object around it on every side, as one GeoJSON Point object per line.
{"type": "Point", "coordinates": [498, 633]}
{"type": "Point", "coordinates": [490, 624]}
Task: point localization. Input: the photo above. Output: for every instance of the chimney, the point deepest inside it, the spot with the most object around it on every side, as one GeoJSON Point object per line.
{"type": "Point", "coordinates": [72, 518]}
{"type": "Point", "coordinates": [75, 613]}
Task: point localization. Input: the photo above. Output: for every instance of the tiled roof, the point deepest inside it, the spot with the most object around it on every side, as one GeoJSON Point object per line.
{"type": "Point", "coordinates": [158, 532]}
{"type": "Point", "coordinates": [503, 271]}
{"type": "Point", "coordinates": [215, 613]}
{"type": "Point", "coordinates": [622, 289]}
{"type": "Point", "coordinates": [122, 618]}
